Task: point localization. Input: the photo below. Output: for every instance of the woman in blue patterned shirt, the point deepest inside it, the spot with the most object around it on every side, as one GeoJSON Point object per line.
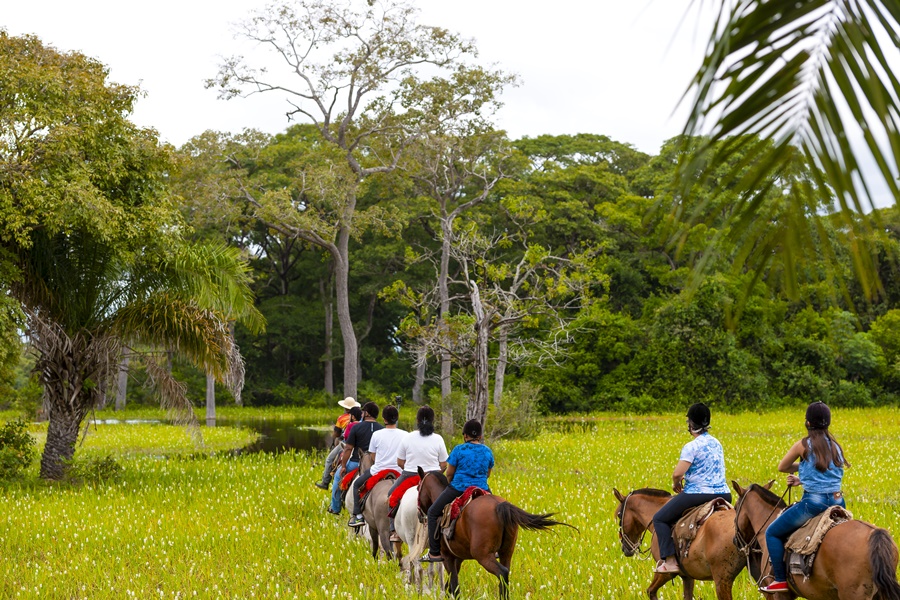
{"type": "Point", "coordinates": [469, 464]}
{"type": "Point", "coordinates": [698, 478]}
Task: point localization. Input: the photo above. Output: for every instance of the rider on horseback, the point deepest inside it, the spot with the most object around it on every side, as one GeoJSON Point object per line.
{"type": "Point", "coordinates": [469, 464]}
{"type": "Point", "coordinates": [820, 461]}
{"type": "Point", "coordinates": [698, 478]}
{"type": "Point", "coordinates": [383, 446]}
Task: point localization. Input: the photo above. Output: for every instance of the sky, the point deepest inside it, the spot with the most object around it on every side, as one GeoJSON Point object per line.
{"type": "Point", "coordinates": [612, 67]}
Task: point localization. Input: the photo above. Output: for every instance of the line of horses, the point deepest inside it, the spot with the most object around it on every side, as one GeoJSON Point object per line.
{"type": "Point", "coordinates": [856, 560]}
{"type": "Point", "coordinates": [486, 532]}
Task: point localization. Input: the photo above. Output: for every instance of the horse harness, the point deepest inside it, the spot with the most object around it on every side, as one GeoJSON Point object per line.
{"type": "Point", "coordinates": [753, 546]}
{"type": "Point", "coordinates": [633, 547]}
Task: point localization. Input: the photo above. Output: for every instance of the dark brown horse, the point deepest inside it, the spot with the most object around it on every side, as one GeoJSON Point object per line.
{"type": "Point", "coordinates": [486, 532]}
{"type": "Point", "coordinates": [712, 554]}
{"type": "Point", "coordinates": [856, 561]}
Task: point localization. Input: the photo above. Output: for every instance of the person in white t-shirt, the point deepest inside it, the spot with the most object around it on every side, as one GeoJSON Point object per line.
{"type": "Point", "coordinates": [422, 448]}
{"type": "Point", "coordinates": [383, 447]}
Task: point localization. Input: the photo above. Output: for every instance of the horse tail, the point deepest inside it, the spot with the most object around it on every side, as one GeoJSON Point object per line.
{"type": "Point", "coordinates": [883, 561]}
{"type": "Point", "coordinates": [511, 516]}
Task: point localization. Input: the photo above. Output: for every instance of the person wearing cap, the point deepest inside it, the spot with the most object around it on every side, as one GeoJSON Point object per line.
{"type": "Point", "coordinates": [339, 426]}
{"type": "Point", "coordinates": [469, 464]}
{"type": "Point", "coordinates": [698, 478]}
{"type": "Point", "coordinates": [820, 462]}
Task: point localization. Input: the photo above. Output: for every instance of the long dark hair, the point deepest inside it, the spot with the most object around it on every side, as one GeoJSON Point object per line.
{"type": "Point", "coordinates": [822, 450]}
{"type": "Point", "coordinates": [425, 421]}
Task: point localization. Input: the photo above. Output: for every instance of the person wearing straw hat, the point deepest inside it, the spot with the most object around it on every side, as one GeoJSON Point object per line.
{"type": "Point", "coordinates": [339, 426]}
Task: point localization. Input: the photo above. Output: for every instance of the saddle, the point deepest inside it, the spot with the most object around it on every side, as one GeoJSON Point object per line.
{"type": "Point", "coordinates": [454, 509]}
{"type": "Point", "coordinates": [803, 545]}
{"type": "Point", "coordinates": [397, 494]}
{"type": "Point", "coordinates": [688, 525]}
{"type": "Point", "coordinates": [370, 484]}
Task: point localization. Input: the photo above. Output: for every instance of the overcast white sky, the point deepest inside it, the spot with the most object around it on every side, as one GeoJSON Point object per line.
{"type": "Point", "coordinates": [613, 67]}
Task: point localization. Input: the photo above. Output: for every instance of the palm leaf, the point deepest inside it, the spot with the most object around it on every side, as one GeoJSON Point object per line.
{"type": "Point", "coordinates": [815, 77]}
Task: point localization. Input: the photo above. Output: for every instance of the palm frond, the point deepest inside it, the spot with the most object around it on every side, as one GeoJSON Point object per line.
{"type": "Point", "coordinates": [814, 78]}
{"type": "Point", "coordinates": [173, 395]}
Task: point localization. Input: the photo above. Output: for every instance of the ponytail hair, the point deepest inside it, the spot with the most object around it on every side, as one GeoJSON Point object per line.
{"type": "Point", "coordinates": [425, 421]}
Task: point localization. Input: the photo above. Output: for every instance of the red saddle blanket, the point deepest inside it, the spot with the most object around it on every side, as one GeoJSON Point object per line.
{"type": "Point", "coordinates": [347, 479]}
{"type": "Point", "coordinates": [470, 494]}
{"type": "Point", "coordinates": [394, 500]}
{"type": "Point", "coordinates": [374, 479]}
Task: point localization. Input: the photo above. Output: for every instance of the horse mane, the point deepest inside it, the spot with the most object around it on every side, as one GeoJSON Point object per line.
{"type": "Point", "coordinates": [767, 495]}
{"type": "Point", "coordinates": [440, 477]}
{"type": "Point", "coordinates": [652, 492]}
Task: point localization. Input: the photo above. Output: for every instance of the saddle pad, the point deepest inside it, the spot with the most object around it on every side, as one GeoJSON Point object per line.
{"type": "Point", "coordinates": [396, 495]}
{"type": "Point", "coordinates": [470, 494]}
{"type": "Point", "coordinates": [347, 479]}
{"type": "Point", "coordinates": [686, 528]}
{"type": "Point", "coordinates": [375, 479]}
{"type": "Point", "coordinates": [807, 539]}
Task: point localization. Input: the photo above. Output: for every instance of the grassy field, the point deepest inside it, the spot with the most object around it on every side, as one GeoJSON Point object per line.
{"type": "Point", "coordinates": [189, 523]}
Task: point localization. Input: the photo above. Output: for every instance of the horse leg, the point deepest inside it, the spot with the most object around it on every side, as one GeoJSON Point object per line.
{"type": "Point", "coordinates": [687, 584]}
{"type": "Point", "coordinates": [723, 589]}
{"type": "Point", "coordinates": [452, 564]}
{"type": "Point", "coordinates": [490, 564]}
{"type": "Point", "coordinates": [659, 580]}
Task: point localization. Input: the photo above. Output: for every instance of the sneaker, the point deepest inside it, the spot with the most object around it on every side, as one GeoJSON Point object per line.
{"type": "Point", "coordinates": [356, 521]}
{"type": "Point", "coordinates": [321, 485]}
{"type": "Point", "coordinates": [430, 558]}
{"type": "Point", "coordinates": [775, 586]}
{"type": "Point", "coordinates": [333, 512]}
{"type": "Point", "coordinates": [664, 567]}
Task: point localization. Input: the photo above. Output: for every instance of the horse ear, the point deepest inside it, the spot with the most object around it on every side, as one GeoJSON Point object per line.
{"type": "Point", "coordinates": [421, 473]}
{"type": "Point", "coordinates": [768, 486]}
{"type": "Point", "coordinates": [619, 495]}
{"type": "Point", "coordinates": [740, 491]}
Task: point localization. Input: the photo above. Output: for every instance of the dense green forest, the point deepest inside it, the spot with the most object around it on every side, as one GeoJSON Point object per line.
{"type": "Point", "coordinates": [614, 316]}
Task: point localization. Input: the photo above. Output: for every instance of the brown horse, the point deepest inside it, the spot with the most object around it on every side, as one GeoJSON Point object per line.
{"type": "Point", "coordinates": [486, 531]}
{"type": "Point", "coordinates": [856, 561]}
{"type": "Point", "coordinates": [712, 554]}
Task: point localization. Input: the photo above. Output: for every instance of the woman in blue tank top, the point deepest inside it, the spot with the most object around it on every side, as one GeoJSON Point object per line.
{"type": "Point", "coordinates": [820, 461]}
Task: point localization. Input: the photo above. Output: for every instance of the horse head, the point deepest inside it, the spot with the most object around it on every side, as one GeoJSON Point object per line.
{"type": "Point", "coordinates": [755, 508]}
{"type": "Point", "coordinates": [634, 513]}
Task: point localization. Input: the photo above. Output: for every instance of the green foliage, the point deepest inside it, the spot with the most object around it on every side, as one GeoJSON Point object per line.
{"type": "Point", "coordinates": [17, 449]}
{"type": "Point", "coordinates": [94, 469]}
{"type": "Point", "coordinates": [517, 417]}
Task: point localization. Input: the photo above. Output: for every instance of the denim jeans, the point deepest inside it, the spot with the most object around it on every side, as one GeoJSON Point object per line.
{"type": "Point", "coordinates": [810, 505]}
{"type": "Point", "coordinates": [434, 516]}
{"type": "Point", "coordinates": [335, 487]}
{"type": "Point", "coordinates": [329, 463]}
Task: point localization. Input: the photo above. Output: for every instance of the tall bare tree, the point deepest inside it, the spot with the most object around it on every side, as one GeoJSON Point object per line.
{"type": "Point", "coordinates": [357, 71]}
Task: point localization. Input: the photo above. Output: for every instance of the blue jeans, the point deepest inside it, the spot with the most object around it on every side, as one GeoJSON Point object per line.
{"type": "Point", "coordinates": [810, 505]}
{"type": "Point", "coordinates": [336, 486]}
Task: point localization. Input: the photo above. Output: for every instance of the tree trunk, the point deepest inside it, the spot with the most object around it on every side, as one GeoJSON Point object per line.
{"type": "Point", "coordinates": [502, 357]}
{"type": "Point", "coordinates": [419, 383]}
{"type": "Point", "coordinates": [122, 387]}
{"type": "Point", "coordinates": [477, 406]}
{"type": "Point", "coordinates": [342, 289]}
{"type": "Point", "coordinates": [446, 388]}
{"type": "Point", "coordinates": [62, 433]}
{"type": "Point", "coordinates": [326, 288]}
{"type": "Point", "coordinates": [210, 398]}
{"type": "Point", "coordinates": [370, 320]}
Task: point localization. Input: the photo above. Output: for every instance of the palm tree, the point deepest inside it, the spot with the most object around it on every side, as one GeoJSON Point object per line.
{"type": "Point", "coordinates": [85, 300]}
{"type": "Point", "coordinates": [787, 83]}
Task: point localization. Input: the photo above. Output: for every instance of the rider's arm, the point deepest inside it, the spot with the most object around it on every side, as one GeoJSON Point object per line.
{"type": "Point", "coordinates": [348, 450]}
{"type": "Point", "coordinates": [451, 470]}
{"type": "Point", "coordinates": [678, 475]}
{"type": "Point", "coordinates": [443, 465]}
{"type": "Point", "coordinates": [401, 462]}
{"type": "Point", "coordinates": [790, 462]}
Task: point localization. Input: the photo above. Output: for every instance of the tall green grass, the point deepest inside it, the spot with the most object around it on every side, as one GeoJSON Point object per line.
{"type": "Point", "coordinates": [254, 526]}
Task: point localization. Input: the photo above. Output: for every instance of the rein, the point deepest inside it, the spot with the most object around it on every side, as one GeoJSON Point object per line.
{"type": "Point", "coordinates": [753, 545]}
{"type": "Point", "coordinates": [633, 547]}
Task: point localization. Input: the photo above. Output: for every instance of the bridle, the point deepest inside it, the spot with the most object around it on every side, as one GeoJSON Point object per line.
{"type": "Point", "coordinates": [753, 545]}
{"type": "Point", "coordinates": [632, 547]}
{"type": "Point", "coordinates": [423, 514]}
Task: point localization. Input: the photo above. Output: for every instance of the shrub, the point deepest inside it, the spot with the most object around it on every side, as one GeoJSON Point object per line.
{"type": "Point", "coordinates": [94, 469]}
{"type": "Point", "coordinates": [517, 415]}
{"type": "Point", "coordinates": [17, 449]}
